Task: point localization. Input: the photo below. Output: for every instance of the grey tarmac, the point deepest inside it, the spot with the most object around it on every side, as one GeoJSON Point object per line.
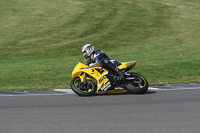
{"type": "Point", "coordinates": [156, 111]}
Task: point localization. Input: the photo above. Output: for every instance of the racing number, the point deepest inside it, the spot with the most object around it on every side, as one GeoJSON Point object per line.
{"type": "Point", "coordinates": [101, 79]}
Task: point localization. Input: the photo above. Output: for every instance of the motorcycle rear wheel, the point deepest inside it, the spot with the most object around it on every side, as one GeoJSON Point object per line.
{"type": "Point", "coordinates": [139, 85]}
{"type": "Point", "coordinates": [87, 89]}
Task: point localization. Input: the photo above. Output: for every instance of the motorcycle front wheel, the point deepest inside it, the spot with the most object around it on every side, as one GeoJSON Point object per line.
{"type": "Point", "coordinates": [87, 88]}
{"type": "Point", "coordinates": [139, 85]}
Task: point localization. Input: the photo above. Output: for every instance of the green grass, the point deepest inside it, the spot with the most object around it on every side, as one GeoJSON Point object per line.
{"type": "Point", "coordinates": [40, 41]}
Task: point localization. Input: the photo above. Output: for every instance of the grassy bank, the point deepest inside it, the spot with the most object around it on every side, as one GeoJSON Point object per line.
{"type": "Point", "coordinates": [40, 41]}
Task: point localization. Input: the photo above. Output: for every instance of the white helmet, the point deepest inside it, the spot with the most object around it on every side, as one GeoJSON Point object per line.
{"type": "Point", "coordinates": [89, 49]}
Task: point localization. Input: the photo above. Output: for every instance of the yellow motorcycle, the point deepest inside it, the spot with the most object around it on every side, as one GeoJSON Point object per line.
{"type": "Point", "coordinates": [91, 80]}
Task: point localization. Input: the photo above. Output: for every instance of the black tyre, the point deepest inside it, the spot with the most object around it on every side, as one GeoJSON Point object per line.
{"type": "Point", "coordinates": [137, 86]}
{"type": "Point", "coordinates": [83, 89]}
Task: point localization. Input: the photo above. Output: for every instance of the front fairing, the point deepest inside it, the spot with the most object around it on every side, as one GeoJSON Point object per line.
{"type": "Point", "coordinates": [82, 68]}
{"type": "Point", "coordinates": [76, 71]}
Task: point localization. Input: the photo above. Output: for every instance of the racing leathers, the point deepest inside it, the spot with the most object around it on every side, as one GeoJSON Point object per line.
{"type": "Point", "coordinates": [106, 62]}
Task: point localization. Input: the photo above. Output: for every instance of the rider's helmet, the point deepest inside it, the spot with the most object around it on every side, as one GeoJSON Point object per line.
{"type": "Point", "coordinates": [87, 50]}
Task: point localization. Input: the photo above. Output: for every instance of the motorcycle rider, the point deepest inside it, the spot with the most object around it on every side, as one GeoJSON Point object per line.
{"type": "Point", "coordinates": [97, 56]}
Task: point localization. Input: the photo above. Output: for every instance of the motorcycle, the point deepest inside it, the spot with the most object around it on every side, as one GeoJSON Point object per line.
{"type": "Point", "coordinates": [91, 80]}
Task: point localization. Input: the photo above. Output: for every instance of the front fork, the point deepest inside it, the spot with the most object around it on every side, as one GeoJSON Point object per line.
{"type": "Point", "coordinates": [83, 78]}
{"type": "Point", "coordinates": [83, 84]}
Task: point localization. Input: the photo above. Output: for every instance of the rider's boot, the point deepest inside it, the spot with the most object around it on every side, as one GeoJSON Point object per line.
{"type": "Point", "coordinates": [120, 73]}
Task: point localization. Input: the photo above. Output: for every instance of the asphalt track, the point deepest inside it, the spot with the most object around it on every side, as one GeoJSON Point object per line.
{"type": "Point", "coordinates": [157, 111]}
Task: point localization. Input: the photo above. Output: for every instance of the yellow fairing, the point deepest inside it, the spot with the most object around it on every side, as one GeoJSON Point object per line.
{"type": "Point", "coordinates": [77, 70]}
{"type": "Point", "coordinates": [82, 68]}
{"type": "Point", "coordinates": [126, 64]}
